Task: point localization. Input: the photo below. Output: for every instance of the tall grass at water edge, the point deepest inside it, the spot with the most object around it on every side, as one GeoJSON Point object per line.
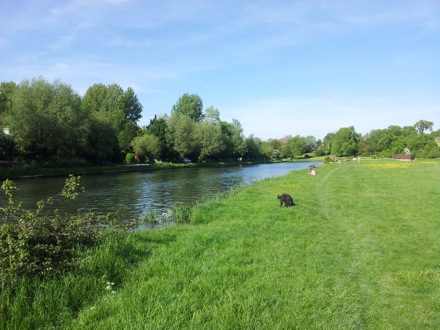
{"type": "Point", "coordinates": [361, 250]}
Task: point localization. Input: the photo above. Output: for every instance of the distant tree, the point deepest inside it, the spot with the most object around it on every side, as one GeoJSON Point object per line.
{"type": "Point", "coordinates": [181, 132]}
{"type": "Point", "coordinates": [94, 100]}
{"type": "Point", "coordinates": [369, 145]}
{"type": "Point", "coordinates": [46, 120]}
{"type": "Point", "coordinates": [146, 146]}
{"type": "Point", "coordinates": [346, 142]}
{"type": "Point", "coordinates": [327, 142]}
{"type": "Point", "coordinates": [276, 154]}
{"type": "Point", "coordinates": [159, 127]}
{"type": "Point", "coordinates": [253, 148]}
{"type": "Point", "coordinates": [121, 109]}
{"type": "Point", "coordinates": [239, 146]}
{"type": "Point", "coordinates": [126, 134]}
{"type": "Point", "coordinates": [212, 115]}
{"type": "Point", "coordinates": [209, 138]}
{"type": "Point", "coordinates": [311, 143]}
{"type": "Point", "coordinates": [102, 142]}
{"type": "Point", "coordinates": [271, 147]}
{"type": "Point", "coordinates": [189, 105]}
{"type": "Point", "coordinates": [6, 91]}
{"type": "Point", "coordinates": [233, 139]}
{"type": "Point", "coordinates": [132, 106]}
{"type": "Point", "coordinates": [298, 145]}
{"type": "Point", "coordinates": [285, 149]}
{"type": "Point", "coordinates": [423, 125]}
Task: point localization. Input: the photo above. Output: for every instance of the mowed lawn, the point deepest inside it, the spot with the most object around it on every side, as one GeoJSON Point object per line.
{"type": "Point", "coordinates": [361, 250]}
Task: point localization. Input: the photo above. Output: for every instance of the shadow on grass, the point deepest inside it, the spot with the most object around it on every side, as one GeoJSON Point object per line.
{"type": "Point", "coordinates": [54, 301]}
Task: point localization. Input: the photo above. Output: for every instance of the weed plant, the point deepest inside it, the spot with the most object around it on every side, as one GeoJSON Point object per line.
{"type": "Point", "coordinates": [360, 251]}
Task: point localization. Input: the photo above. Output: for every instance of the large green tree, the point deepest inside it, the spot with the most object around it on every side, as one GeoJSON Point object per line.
{"type": "Point", "coordinates": [180, 132]}
{"type": "Point", "coordinates": [233, 139]}
{"type": "Point", "coordinates": [253, 148]}
{"type": "Point", "coordinates": [6, 91]}
{"type": "Point", "coordinates": [209, 139]}
{"type": "Point", "coordinates": [46, 120]}
{"type": "Point", "coordinates": [159, 128]}
{"type": "Point", "coordinates": [423, 125]}
{"type": "Point", "coordinates": [116, 107]}
{"type": "Point", "coordinates": [189, 105]}
{"type": "Point", "coordinates": [345, 142]}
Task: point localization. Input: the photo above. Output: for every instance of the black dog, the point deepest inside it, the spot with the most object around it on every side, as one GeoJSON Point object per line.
{"type": "Point", "coordinates": [286, 199]}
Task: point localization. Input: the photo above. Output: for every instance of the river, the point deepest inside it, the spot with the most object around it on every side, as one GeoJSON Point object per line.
{"type": "Point", "coordinates": [135, 193]}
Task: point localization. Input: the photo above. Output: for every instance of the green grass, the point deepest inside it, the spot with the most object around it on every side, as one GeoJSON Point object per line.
{"type": "Point", "coordinates": [360, 251]}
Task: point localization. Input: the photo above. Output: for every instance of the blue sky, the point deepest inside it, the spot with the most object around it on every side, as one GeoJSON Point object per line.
{"type": "Point", "coordinates": [279, 67]}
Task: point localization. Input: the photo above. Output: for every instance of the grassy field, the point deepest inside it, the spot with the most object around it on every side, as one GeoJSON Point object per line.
{"type": "Point", "coordinates": [360, 251]}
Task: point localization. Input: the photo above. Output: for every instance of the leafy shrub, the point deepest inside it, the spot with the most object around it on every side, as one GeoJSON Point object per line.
{"type": "Point", "coordinates": [129, 158]}
{"type": "Point", "coordinates": [328, 159]}
{"type": "Point", "coordinates": [320, 152]}
{"type": "Point", "coordinates": [41, 242]}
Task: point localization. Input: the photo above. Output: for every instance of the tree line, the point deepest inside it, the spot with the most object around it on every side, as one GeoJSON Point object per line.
{"type": "Point", "coordinates": [49, 122]}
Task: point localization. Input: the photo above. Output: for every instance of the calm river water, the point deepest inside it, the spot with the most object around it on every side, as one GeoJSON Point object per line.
{"type": "Point", "coordinates": [133, 194]}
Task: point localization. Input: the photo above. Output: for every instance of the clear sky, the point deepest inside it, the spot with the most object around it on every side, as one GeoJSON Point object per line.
{"type": "Point", "coordinates": [279, 67]}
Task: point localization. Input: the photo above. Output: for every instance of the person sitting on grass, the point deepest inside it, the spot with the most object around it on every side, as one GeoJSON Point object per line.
{"type": "Point", "coordinates": [312, 171]}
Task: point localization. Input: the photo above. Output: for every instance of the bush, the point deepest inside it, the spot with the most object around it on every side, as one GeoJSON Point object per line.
{"type": "Point", "coordinates": [328, 159]}
{"type": "Point", "coordinates": [129, 158]}
{"type": "Point", "coordinates": [42, 242]}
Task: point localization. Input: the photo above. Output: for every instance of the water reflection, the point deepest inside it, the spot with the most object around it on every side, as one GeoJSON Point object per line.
{"type": "Point", "coordinates": [133, 194]}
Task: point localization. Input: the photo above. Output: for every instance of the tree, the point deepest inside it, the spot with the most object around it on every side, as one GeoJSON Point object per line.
{"type": "Point", "coordinates": [212, 115]}
{"type": "Point", "coordinates": [346, 142]}
{"type": "Point", "coordinates": [253, 147]}
{"type": "Point", "coordinates": [209, 139]}
{"type": "Point", "coordinates": [102, 142]}
{"type": "Point", "coordinates": [159, 127]}
{"type": "Point", "coordinates": [369, 144]}
{"type": "Point", "coordinates": [271, 148]}
{"type": "Point", "coordinates": [121, 109]}
{"type": "Point", "coordinates": [132, 106]}
{"type": "Point", "coordinates": [239, 147]}
{"type": "Point", "coordinates": [181, 133]}
{"type": "Point", "coordinates": [146, 146]}
{"type": "Point", "coordinates": [327, 142]}
{"type": "Point", "coordinates": [126, 135]}
{"type": "Point", "coordinates": [423, 125]}
{"type": "Point", "coordinates": [46, 120]}
{"type": "Point", "coordinates": [6, 91]}
{"type": "Point", "coordinates": [298, 146]}
{"type": "Point", "coordinates": [189, 105]}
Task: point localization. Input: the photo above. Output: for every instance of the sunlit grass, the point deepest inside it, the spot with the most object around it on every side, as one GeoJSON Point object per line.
{"type": "Point", "coordinates": [360, 251]}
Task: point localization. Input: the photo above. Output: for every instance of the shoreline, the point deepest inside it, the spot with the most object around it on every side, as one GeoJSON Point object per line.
{"type": "Point", "coordinates": [40, 172]}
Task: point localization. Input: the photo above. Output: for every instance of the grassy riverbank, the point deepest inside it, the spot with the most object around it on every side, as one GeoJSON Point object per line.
{"type": "Point", "coordinates": [361, 250]}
